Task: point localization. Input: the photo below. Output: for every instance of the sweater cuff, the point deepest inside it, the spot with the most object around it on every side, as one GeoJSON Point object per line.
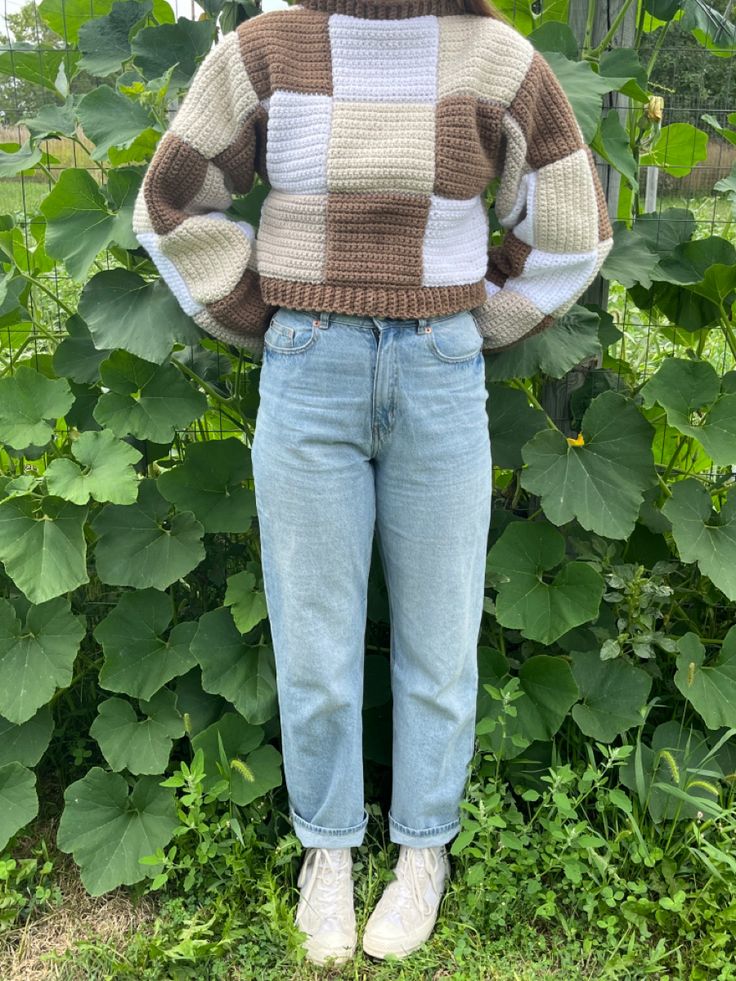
{"type": "Point", "coordinates": [506, 318]}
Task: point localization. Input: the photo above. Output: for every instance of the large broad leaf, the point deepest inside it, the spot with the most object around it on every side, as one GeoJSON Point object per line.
{"type": "Point", "coordinates": [123, 311]}
{"type": "Point", "coordinates": [26, 743]}
{"type": "Point", "coordinates": [541, 609]}
{"type": "Point", "coordinates": [211, 483]}
{"type": "Point", "coordinates": [241, 743]}
{"type": "Point", "coordinates": [30, 405]}
{"type": "Point", "coordinates": [247, 604]}
{"type": "Point", "coordinates": [710, 688]}
{"type": "Point", "coordinates": [110, 119]}
{"type": "Point", "coordinates": [679, 147]}
{"type": "Point", "coordinates": [584, 88]}
{"type": "Point", "coordinates": [108, 830]}
{"type": "Point", "coordinates": [704, 535]}
{"type": "Point", "coordinates": [76, 357]}
{"type": "Point", "coordinates": [679, 758]}
{"type": "Point", "coordinates": [690, 393]}
{"type": "Point", "coordinates": [36, 655]}
{"type": "Point", "coordinates": [79, 223]}
{"type": "Point", "coordinates": [140, 545]}
{"type": "Point", "coordinates": [146, 400]}
{"type": "Point", "coordinates": [104, 470]}
{"type": "Point", "coordinates": [105, 42]}
{"type": "Point", "coordinates": [141, 746]}
{"type": "Point", "coordinates": [66, 17]}
{"type": "Point", "coordinates": [632, 260]}
{"type": "Point", "coordinates": [37, 64]}
{"type": "Point", "coordinates": [18, 800]}
{"type": "Point", "coordinates": [513, 422]}
{"type": "Point", "coordinates": [42, 545]}
{"type": "Point", "coordinates": [243, 674]}
{"type": "Point", "coordinates": [602, 482]}
{"type": "Point", "coordinates": [571, 339]}
{"type": "Point", "coordinates": [549, 691]}
{"type": "Point", "coordinates": [198, 707]}
{"type": "Point", "coordinates": [139, 659]}
{"type": "Point", "coordinates": [180, 46]}
{"type": "Point", "coordinates": [613, 694]}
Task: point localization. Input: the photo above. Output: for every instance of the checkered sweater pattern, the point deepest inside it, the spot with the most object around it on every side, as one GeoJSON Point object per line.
{"type": "Point", "coordinates": [377, 127]}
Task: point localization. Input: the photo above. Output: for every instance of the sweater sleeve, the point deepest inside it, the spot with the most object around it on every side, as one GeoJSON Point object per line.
{"type": "Point", "coordinates": [209, 152]}
{"type": "Point", "coordinates": [551, 204]}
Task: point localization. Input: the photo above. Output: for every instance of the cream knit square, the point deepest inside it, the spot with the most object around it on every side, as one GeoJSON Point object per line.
{"type": "Point", "coordinates": [377, 146]}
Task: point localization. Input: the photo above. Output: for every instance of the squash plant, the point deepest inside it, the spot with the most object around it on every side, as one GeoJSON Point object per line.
{"type": "Point", "coordinates": [128, 538]}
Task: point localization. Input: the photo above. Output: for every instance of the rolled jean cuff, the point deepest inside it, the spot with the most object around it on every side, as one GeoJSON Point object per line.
{"type": "Point", "coordinates": [424, 837]}
{"type": "Point", "coordinates": [315, 836]}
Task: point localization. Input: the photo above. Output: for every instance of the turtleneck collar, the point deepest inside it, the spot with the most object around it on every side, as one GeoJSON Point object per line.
{"type": "Point", "coordinates": [385, 9]}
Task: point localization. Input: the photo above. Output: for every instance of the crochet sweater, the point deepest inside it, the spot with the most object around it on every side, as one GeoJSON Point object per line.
{"type": "Point", "coordinates": [377, 127]}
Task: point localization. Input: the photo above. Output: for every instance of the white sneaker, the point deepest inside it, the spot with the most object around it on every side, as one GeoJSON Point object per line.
{"type": "Point", "coordinates": [405, 915]}
{"type": "Point", "coordinates": [325, 911]}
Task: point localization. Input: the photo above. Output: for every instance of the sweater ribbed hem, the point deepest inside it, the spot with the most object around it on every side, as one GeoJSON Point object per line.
{"type": "Point", "coordinates": [405, 302]}
{"type": "Point", "coordinates": [385, 9]}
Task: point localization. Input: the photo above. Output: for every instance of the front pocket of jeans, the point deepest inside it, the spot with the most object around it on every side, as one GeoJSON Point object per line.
{"type": "Point", "coordinates": [455, 338]}
{"type": "Point", "coordinates": [290, 331]}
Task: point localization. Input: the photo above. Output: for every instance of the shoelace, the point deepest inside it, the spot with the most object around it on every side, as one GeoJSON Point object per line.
{"type": "Point", "coordinates": [407, 875]}
{"type": "Point", "coordinates": [321, 866]}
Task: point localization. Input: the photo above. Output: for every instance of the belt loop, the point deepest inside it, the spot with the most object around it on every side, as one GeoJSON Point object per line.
{"type": "Point", "coordinates": [422, 324]}
{"type": "Point", "coordinates": [323, 319]}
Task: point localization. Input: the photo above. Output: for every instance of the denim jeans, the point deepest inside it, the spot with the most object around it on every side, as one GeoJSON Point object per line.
{"type": "Point", "coordinates": [366, 425]}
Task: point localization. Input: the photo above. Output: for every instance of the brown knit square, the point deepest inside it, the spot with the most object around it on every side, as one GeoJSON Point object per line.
{"type": "Point", "coordinates": [297, 52]}
{"type": "Point", "coordinates": [375, 239]}
{"type": "Point", "coordinates": [545, 116]}
{"type": "Point", "coordinates": [461, 166]}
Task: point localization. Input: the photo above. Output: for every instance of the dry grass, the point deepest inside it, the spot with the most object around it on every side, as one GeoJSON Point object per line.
{"type": "Point", "coordinates": [24, 952]}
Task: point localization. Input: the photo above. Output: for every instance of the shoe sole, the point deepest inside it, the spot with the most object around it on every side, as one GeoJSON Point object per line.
{"type": "Point", "coordinates": [382, 949]}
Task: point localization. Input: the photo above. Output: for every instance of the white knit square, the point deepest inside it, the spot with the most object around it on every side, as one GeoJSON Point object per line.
{"type": "Point", "coordinates": [298, 138]}
{"type": "Point", "coordinates": [384, 60]}
{"type": "Point", "coordinates": [550, 279]}
{"type": "Point", "coordinates": [455, 245]}
{"type": "Point", "coordinates": [381, 147]}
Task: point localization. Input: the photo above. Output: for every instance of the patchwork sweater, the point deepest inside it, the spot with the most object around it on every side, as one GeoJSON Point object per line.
{"type": "Point", "coordinates": [377, 127]}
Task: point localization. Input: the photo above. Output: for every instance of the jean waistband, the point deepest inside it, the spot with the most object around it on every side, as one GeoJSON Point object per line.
{"type": "Point", "coordinates": [326, 317]}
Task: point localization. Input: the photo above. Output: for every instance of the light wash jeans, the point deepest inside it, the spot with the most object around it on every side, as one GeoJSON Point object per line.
{"type": "Point", "coordinates": [367, 424]}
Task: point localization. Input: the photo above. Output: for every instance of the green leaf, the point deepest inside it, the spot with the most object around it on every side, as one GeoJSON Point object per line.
{"type": "Point", "coordinates": [18, 800]}
{"type": "Point", "coordinates": [548, 691]}
{"type": "Point", "coordinates": [711, 688]}
{"type": "Point", "coordinates": [79, 223]}
{"type": "Point", "coordinates": [243, 674]}
{"type": "Point", "coordinates": [104, 470]}
{"type": "Point", "coordinates": [26, 742]}
{"type": "Point", "coordinates": [679, 147]}
{"type": "Point", "coordinates": [583, 88]}
{"type": "Point", "coordinates": [602, 482]}
{"type": "Point", "coordinates": [76, 357]}
{"type": "Point", "coordinates": [139, 659]}
{"type": "Point", "coordinates": [571, 339]}
{"type": "Point", "coordinates": [43, 546]}
{"type": "Point", "coordinates": [109, 119]}
{"type": "Point", "coordinates": [66, 17]}
{"type": "Point", "coordinates": [139, 746]}
{"type": "Point", "coordinates": [684, 388]}
{"type": "Point", "coordinates": [247, 605]}
{"type": "Point", "coordinates": [140, 545]}
{"type": "Point", "coordinates": [146, 400]}
{"type": "Point", "coordinates": [613, 694]}
{"type": "Point", "coordinates": [541, 610]}
{"type": "Point", "coordinates": [30, 405]}
{"type": "Point", "coordinates": [210, 482]}
{"type": "Point", "coordinates": [241, 741]}
{"type": "Point", "coordinates": [37, 655]}
{"type": "Point", "coordinates": [104, 41]}
{"type": "Point", "coordinates": [513, 422]}
{"type": "Point", "coordinates": [704, 535]}
{"type": "Point", "coordinates": [123, 311]}
{"type": "Point", "coordinates": [108, 830]}
{"type": "Point", "coordinates": [181, 45]}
